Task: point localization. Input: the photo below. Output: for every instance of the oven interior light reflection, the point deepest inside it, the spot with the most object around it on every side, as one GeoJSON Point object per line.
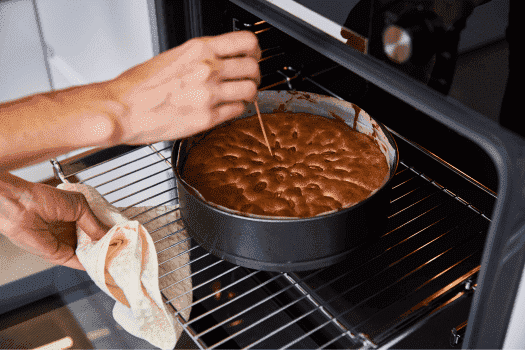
{"type": "Point", "coordinates": [64, 343]}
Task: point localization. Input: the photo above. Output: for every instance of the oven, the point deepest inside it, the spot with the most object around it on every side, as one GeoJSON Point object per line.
{"type": "Point", "coordinates": [446, 272]}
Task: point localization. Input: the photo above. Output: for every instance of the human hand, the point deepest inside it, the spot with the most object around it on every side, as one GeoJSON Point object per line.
{"type": "Point", "coordinates": [42, 219]}
{"type": "Point", "coordinates": [188, 89]}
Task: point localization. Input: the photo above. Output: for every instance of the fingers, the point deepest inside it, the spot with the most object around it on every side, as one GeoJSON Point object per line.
{"type": "Point", "coordinates": [65, 256]}
{"type": "Point", "coordinates": [241, 68]}
{"type": "Point", "coordinates": [241, 43]}
{"type": "Point", "coordinates": [227, 111]}
{"type": "Point", "coordinates": [73, 263]}
{"type": "Point", "coordinates": [236, 91]}
{"type": "Point", "coordinates": [87, 221]}
{"type": "Point", "coordinates": [210, 86]}
{"type": "Point", "coordinates": [55, 251]}
{"type": "Point", "coordinates": [220, 71]}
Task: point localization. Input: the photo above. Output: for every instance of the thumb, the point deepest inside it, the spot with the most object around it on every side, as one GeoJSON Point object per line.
{"type": "Point", "coordinates": [87, 220]}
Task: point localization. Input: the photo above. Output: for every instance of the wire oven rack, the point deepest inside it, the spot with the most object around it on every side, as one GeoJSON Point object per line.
{"type": "Point", "coordinates": [428, 258]}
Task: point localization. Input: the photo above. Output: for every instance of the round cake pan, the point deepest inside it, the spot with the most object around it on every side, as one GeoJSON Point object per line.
{"type": "Point", "coordinates": [285, 243]}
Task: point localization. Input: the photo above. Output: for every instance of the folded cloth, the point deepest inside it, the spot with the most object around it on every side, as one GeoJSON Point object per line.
{"type": "Point", "coordinates": [124, 264]}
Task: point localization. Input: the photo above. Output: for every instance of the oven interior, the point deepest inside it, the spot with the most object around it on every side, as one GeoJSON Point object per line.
{"type": "Point", "coordinates": [412, 288]}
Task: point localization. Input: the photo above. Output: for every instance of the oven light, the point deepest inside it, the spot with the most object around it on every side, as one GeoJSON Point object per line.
{"type": "Point", "coordinates": [99, 333]}
{"type": "Point", "coordinates": [215, 288]}
{"type": "Point", "coordinates": [64, 343]}
{"type": "Point", "coordinates": [236, 323]}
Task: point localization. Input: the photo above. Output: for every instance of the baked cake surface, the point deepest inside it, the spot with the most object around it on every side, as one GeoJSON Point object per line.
{"type": "Point", "coordinates": [319, 165]}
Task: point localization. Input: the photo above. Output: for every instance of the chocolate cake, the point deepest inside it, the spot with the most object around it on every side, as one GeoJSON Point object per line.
{"type": "Point", "coordinates": [319, 165]}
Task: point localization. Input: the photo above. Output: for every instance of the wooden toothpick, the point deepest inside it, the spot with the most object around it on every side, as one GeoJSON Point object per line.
{"type": "Point", "coordinates": [262, 127]}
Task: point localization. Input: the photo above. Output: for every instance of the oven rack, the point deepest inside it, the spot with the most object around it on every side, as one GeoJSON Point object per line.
{"type": "Point", "coordinates": [238, 307]}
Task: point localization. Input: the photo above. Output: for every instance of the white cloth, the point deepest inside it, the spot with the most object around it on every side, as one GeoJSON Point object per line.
{"type": "Point", "coordinates": [124, 265]}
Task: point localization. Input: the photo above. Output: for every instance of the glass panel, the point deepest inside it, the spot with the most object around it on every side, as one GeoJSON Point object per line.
{"type": "Point", "coordinates": [330, 17]}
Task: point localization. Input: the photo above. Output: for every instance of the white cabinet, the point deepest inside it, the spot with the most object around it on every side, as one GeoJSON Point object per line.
{"type": "Point", "coordinates": [22, 65]}
{"type": "Point", "coordinates": [95, 40]}
{"type": "Point", "coordinates": [85, 40]}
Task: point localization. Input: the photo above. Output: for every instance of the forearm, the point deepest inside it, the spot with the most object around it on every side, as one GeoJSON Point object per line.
{"type": "Point", "coordinates": [43, 126]}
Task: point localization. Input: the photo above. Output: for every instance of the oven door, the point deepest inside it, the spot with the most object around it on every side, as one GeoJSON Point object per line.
{"type": "Point", "coordinates": [60, 308]}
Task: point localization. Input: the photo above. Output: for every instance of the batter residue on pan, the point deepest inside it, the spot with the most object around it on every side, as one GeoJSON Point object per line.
{"type": "Point", "coordinates": [319, 165]}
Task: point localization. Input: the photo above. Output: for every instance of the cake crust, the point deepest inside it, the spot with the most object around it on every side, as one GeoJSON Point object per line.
{"type": "Point", "coordinates": [319, 165]}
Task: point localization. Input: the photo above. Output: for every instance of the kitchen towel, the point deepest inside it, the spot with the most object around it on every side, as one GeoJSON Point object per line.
{"type": "Point", "coordinates": [128, 261]}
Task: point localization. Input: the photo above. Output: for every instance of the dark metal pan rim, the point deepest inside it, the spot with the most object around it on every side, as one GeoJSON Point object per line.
{"type": "Point", "coordinates": [287, 266]}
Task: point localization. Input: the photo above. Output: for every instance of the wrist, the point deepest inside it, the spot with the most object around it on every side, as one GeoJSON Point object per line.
{"type": "Point", "coordinates": [91, 115]}
{"type": "Point", "coordinates": [119, 111]}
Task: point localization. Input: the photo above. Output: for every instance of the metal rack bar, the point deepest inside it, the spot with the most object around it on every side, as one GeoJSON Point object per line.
{"type": "Point", "coordinates": [294, 284]}
{"type": "Point", "coordinates": [161, 156]}
{"type": "Point", "coordinates": [132, 183]}
{"type": "Point", "coordinates": [173, 246]}
{"type": "Point", "coordinates": [231, 301]}
{"type": "Point", "coordinates": [161, 215]}
{"type": "Point", "coordinates": [144, 200]}
{"type": "Point", "coordinates": [144, 189]}
{"type": "Point", "coordinates": [404, 182]}
{"type": "Point", "coordinates": [319, 306]}
{"type": "Point", "coordinates": [324, 89]}
{"type": "Point", "coordinates": [116, 168]}
{"type": "Point", "coordinates": [154, 207]}
{"type": "Point", "coordinates": [347, 333]}
{"type": "Point", "coordinates": [187, 251]}
{"type": "Point", "coordinates": [221, 290]}
{"type": "Point", "coordinates": [446, 164]}
{"type": "Point", "coordinates": [282, 327]}
{"type": "Point", "coordinates": [189, 263]}
{"type": "Point", "coordinates": [82, 162]}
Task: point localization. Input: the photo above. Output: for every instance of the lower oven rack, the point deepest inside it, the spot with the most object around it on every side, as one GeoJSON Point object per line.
{"type": "Point", "coordinates": [425, 261]}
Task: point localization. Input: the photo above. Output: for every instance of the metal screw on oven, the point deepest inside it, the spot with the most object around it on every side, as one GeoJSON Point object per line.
{"type": "Point", "coordinates": [470, 285]}
{"type": "Point", "coordinates": [457, 333]}
{"type": "Point", "coordinates": [454, 337]}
